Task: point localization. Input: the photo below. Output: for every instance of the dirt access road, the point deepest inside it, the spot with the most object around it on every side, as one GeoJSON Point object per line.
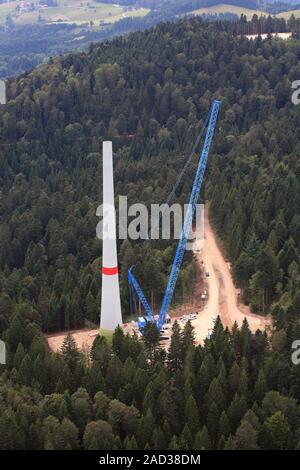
{"type": "Point", "coordinates": [223, 296]}
{"type": "Point", "coordinates": [222, 300]}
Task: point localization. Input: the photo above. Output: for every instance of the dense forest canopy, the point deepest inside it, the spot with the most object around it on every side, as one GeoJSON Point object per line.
{"type": "Point", "coordinates": [150, 93]}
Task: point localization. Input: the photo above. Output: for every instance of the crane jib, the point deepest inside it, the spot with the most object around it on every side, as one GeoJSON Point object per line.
{"type": "Point", "coordinates": [213, 115]}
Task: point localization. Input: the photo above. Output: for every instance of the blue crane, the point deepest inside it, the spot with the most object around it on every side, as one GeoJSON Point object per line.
{"type": "Point", "coordinates": [134, 286]}
{"type": "Point", "coordinates": [187, 224]}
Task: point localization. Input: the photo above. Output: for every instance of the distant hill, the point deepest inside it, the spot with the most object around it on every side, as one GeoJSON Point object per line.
{"type": "Point", "coordinates": [225, 8]}
{"type": "Point", "coordinates": [32, 32]}
{"type": "Point", "coordinates": [228, 8]}
{"type": "Point", "coordinates": [287, 14]}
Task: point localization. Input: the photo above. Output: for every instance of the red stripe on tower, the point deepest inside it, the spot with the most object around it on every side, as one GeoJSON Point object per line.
{"type": "Point", "coordinates": [110, 271]}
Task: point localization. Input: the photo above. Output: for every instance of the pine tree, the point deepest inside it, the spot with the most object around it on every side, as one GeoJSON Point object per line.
{"type": "Point", "coordinates": [117, 444]}
{"type": "Point", "coordinates": [130, 443]}
{"type": "Point", "coordinates": [234, 378]}
{"type": "Point", "coordinates": [94, 380]}
{"type": "Point", "coordinates": [101, 403]}
{"type": "Point", "coordinates": [70, 351]}
{"type": "Point", "coordinates": [243, 383]}
{"type": "Point", "coordinates": [186, 439]}
{"type": "Point", "coordinates": [39, 372]}
{"type": "Point", "coordinates": [197, 445]}
{"type": "Point", "coordinates": [215, 394]}
{"type": "Point", "coordinates": [236, 411]}
{"type": "Point", "coordinates": [166, 429]}
{"type": "Point", "coordinates": [15, 332]}
{"type": "Point", "coordinates": [202, 382]}
{"type": "Point", "coordinates": [168, 409]}
{"type": "Point", "coordinates": [212, 421]}
{"type": "Point", "coordinates": [25, 375]}
{"type": "Point", "coordinates": [222, 443]}
{"type": "Point", "coordinates": [279, 431]}
{"type": "Point", "coordinates": [151, 338]}
{"type": "Point", "coordinates": [149, 401]}
{"type": "Point", "coordinates": [147, 424]}
{"type": "Point", "coordinates": [175, 354]}
{"type": "Point", "coordinates": [205, 439]}
{"type": "Point", "coordinates": [158, 438]}
{"type": "Point", "coordinates": [91, 308]}
{"type": "Point", "coordinates": [19, 355]}
{"type": "Point", "coordinates": [188, 337]}
{"type": "Point", "coordinates": [224, 426]}
{"type": "Point", "coordinates": [114, 375]}
{"type": "Point", "coordinates": [260, 386]}
{"type": "Point", "coordinates": [174, 445]}
{"type": "Point", "coordinates": [191, 415]}
{"type": "Point", "coordinates": [118, 343]}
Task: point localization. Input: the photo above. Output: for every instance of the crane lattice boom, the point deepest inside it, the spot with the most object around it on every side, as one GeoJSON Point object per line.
{"type": "Point", "coordinates": [185, 229]}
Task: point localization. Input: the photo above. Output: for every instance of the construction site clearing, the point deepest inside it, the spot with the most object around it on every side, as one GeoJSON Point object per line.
{"type": "Point", "coordinates": [214, 294]}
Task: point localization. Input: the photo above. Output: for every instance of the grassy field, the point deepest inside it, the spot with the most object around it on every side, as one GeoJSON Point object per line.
{"type": "Point", "coordinates": [222, 8]}
{"type": "Point", "coordinates": [70, 11]}
{"type": "Point", "coordinates": [286, 14]}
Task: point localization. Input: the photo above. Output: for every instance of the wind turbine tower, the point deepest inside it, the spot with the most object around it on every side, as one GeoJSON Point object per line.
{"type": "Point", "coordinates": [111, 315]}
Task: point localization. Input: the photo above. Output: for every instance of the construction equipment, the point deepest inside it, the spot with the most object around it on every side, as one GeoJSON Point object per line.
{"type": "Point", "coordinates": [135, 288]}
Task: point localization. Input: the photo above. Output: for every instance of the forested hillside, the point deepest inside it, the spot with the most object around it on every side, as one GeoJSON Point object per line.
{"type": "Point", "coordinates": [150, 93]}
{"type": "Point", "coordinates": [231, 394]}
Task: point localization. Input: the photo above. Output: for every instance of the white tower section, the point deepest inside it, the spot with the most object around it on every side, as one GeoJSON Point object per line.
{"type": "Point", "coordinates": [111, 315]}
